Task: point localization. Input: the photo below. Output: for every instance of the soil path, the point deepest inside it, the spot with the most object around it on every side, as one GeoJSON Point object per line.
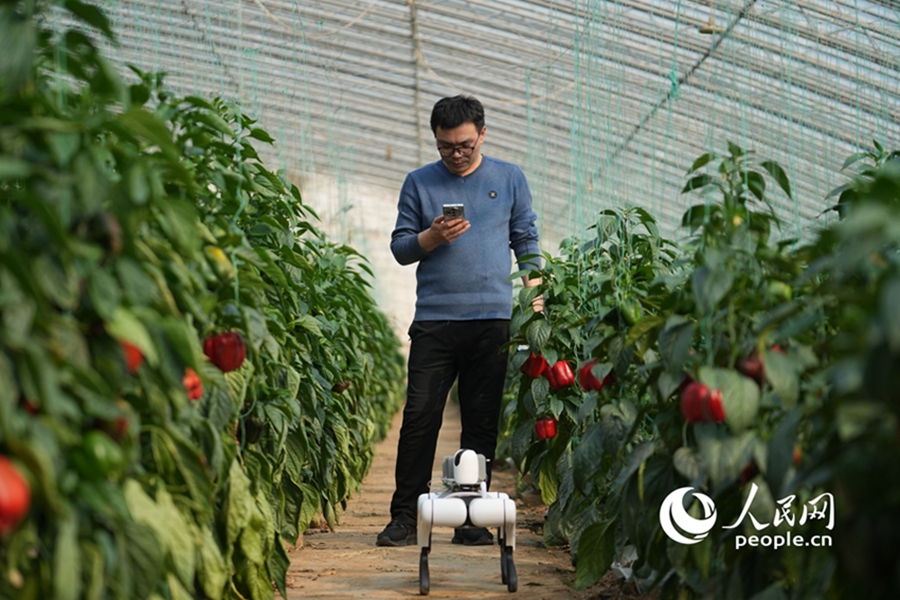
{"type": "Point", "coordinates": [347, 564]}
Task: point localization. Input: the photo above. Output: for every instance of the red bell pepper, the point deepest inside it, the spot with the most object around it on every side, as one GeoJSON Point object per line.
{"type": "Point", "coordinates": [589, 381]}
{"type": "Point", "coordinates": [15, 496]}
{"type": "Point", "coordinates": [133, 356]}
{"type": "Point", "coordinates": [560, 375]}
{"type": "Point", "coordinates": [192, 384]}
{"type": "Point", "coordinates": [699, 404]}
{"type": "Point", "coordinates": [534, 366]}
{"type": "Point", "coordinates": [545, 428]}
{"type": "Point", "coordinates": [226, 350]}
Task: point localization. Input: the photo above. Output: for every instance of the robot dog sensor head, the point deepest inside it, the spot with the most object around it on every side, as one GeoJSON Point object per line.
{"type": "Point", "coordinates": [466, 467]}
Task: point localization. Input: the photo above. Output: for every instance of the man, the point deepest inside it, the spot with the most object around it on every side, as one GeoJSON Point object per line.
{"type": "Point", "coordinates": [463, 300]}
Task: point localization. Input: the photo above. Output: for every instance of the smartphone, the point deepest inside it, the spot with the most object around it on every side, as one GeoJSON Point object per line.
{"type": "Point", "coordinates": [453, 211]}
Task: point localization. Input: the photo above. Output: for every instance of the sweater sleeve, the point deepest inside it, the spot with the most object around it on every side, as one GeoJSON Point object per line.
{"type": "Point", "coordinates": [523, 235]}
{"type": "Point", "coordinates": [405, 237]}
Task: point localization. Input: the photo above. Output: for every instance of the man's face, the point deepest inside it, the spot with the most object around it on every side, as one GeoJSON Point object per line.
{"type": "Point", "coordinates": [454, 144]}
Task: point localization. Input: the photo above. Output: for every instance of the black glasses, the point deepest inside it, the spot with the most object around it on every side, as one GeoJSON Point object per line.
{"type": "Point", "coordinates": [463, 150]}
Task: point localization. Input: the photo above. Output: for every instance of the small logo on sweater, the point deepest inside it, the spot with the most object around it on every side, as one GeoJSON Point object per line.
{"type": "Point", "coordinates": [492, 194]}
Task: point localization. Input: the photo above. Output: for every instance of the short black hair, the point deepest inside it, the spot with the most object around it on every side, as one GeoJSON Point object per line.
{"type": "Point", "coordinates": [449, 113]}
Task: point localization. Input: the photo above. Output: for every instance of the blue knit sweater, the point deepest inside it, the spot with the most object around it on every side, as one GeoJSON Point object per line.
{"type": "Point", "coordinates": [466, 280]}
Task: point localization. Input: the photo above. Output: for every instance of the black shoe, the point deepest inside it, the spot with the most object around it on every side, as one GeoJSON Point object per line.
{"type": "Point", "coordinates": [397, 533]}
{"type": "Point", "coordinates": [472, 536]}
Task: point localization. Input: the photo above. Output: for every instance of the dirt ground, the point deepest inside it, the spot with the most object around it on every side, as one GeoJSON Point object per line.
{"type": "Point", "coordinates": [346, 563]}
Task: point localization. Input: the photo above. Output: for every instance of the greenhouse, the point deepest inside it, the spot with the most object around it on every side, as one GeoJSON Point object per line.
{"type": "Point", "coordinates": [209, 369]}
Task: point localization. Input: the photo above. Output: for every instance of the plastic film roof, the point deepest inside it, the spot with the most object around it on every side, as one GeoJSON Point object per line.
{"type": "Point", "coordinates": [603, 103]}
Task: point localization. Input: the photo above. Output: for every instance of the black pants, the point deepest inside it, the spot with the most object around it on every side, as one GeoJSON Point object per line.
{"type": "Point", "coordinates": [440, 351]}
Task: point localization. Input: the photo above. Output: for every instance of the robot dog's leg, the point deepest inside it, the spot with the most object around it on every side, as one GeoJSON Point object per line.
{"type": "Point", "coordinates": [435, 510]}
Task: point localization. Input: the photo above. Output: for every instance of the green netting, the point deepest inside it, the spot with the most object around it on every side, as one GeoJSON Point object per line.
{"type": "Point", "coordinates": [604, 103]}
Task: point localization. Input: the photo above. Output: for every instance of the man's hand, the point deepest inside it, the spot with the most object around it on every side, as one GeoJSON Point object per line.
{"type": "Point", "coordinates": [538, 303]}
{"type": "Point", "coordinates": [442, 232]}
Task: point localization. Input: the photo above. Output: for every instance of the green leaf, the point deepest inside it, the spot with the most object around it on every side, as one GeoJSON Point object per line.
{"type": "Point", "coordinates": [178, 218]}
{"type": "Point", "coordinates": [735, 150]}
{"type": "Point", "coordinates": [778, 174]}
{"type": "Point", "coordinates": [642, 328]}
{"type": "Point", "coordinates": [191, 465]}
{"type": "Point", "coordinates": [67, 582]}
{"type": "Point", "coordinates": [271, 269]}
{"type": "Point", "coordinates": [213, 121]}
{"type": "Point", "coordinates": [144, 123]}
{"type": "Point", "coordinates": [92, 16]}
{"type": "Point", "coordinates": [184, 339]}
{"type": "Point", "coordinates": [668, 383]}
{"type": "Point", "coordinates": [540, 387]}
{"type": "Point", "coordinates": [710, 286]}
{"type": "Point", "coordinates": [19, 35]}
{"type": "Point", "coordinates": [255, 580]}
{"type": "Point", "coordinates": [781, 373]}
{"type": "Point", "coordinates": [309, 323]}
{"type": "Point", "coordinates": [252, 542]}
{"type": "Point", "coordinates": [13, 168]}
{"type": "Point", "coordinates": [616, 420]}
{"type": "Point", "coordinates": [93, 567]}
{"type": "Point", "coordinates": [756, 184]}
{"type": "Point", "coordinates": [177, 589]}
{"type": "Point", "coordinates": [262, 135]}
{"type": "Point", "coordinates": [59, 287]}
{"type": "Point", "coordinates": [702, 161]}
{"type": "Point", "coordinates": [587, 456]}
{"type": "Point", "coordinates": [279, 563]}
{"type": "Point", "coordinates": [521, 441]}
{"type": "Point", "coordinates": [596, 551]}
{"type": "Point", "coordinates": [141, 564]}
{"type": "Point", "coordinates": [170, 526]}
{"type": "Point", "coordinates": [722, 455]}
{"type": "Point", "coordinates": [537, 334]}
{"type": "Point", "coordinates": [687, 463]}
{"type": "Point", "coordinates": [64, 146]}
{"type": "Point", "coordinates": [136, 284]}
{"type": "Point", "coordinates": [293, 382]}
{"type": "Point", "coordinates": [238, 381]}
{"type": "Point", "coordinates": [780, 450]}
{"type": "Point", "coordinates": [104, 292]}
{"type": "Point", "coordinates": [138, 185]}
{"type": "Point", "coordinates": [853, 158]}
{"type": "Point", "coordinates": [310, 506]}
{"type": "Point", "coordinates": [125, 326]}
{"type": "Point", "coordinates": [697, 182]}
{"type": "Point", "coordinates": [548, 482]}
{"type": "Point", "coordinates": [675, 342]}
{"type": "Point", "coordinates": [240, 503]}
{"type": "Point", "coordinates": [200, 102]}
{"type": "Point", "coordinates": [633, 462]}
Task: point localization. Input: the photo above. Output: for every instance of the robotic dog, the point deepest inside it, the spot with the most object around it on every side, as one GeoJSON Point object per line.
{"type": "Point", "coordinates": [465, 502]}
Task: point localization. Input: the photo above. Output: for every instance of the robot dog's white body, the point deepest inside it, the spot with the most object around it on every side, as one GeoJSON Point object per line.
{"type": "Point", "coordinates": [466, 503]}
